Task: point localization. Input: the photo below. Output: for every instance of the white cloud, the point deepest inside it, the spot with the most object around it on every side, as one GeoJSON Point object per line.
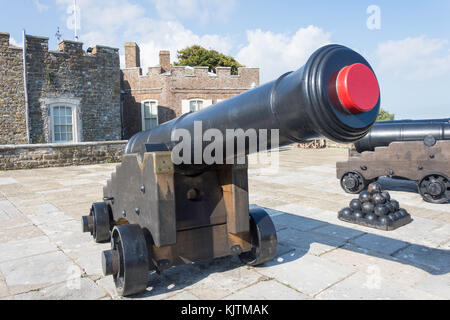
{"type": "Point", "coordinates": [277, 53]}
{"type": "Point", "coordinates": [39, 6]}
{"type": "Point", "coordinates": [114, 22]}
{"type": "Point", "coordinates": [415, 58]}
{"type": "Point", "coordinates": [13, 42]}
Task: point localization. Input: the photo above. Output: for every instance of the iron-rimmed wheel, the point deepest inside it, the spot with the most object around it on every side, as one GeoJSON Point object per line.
{"type": "Point", "coordinates": [353, 182]}
{"type": "Point", "coordinates": [128, 259]}
{"type": "Point", "coordinates": [435, 188]}
{"type": "Point", "coordinates": [101, 222]}
{"type": "Point", "coordinates": [263, 238]}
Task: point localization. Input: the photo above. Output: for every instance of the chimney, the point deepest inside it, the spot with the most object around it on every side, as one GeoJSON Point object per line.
{"type": "Point", "coordinates": [164, 60]}
{"type": "Point", "coordinates": [132, 55]}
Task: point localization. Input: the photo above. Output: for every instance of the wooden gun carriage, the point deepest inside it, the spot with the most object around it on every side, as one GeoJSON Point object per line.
{"type": "Point", "coordinates": [413, 150]}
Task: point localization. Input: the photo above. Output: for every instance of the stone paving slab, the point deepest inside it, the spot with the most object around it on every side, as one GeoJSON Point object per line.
{"type": "Point", "coordinates": [379, 243]}
{"type": "Point", "coordinates": [387, 267]}
{"type": "Point", "coordinates": [184, 295]}
{"type": "Point", "coordinates": [44, 254]}
{"type": "Point", "coordinates": [38, 271]}
{"type": "Point", "coordinates": [267, 290]}
{"type": "Point", "coordinates": [75, 289]}
{"type": "Point", "coordinates": [437, 260]}
{"type": "Point", "coordinates": [20, 233]}
{"type": "Point", "coordinates": [4, 292]}
{"type": "Point", "coordinates": [18, 249]}
{"type": "Point", "coordinates": [438, 285]}
{"type": "Point", "coordinates": [313, 243]}
{"type": "Point", "coordinates": [362, 286]}
{"type": "Point", "coordinates": [306, 273]}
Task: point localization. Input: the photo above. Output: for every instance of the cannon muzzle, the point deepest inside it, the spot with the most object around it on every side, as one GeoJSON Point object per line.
{"type": "Point", "coordinates": [335, 94]}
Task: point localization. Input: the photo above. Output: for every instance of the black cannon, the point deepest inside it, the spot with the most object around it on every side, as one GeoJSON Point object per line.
{"type": "Point", "coordinates": [382, 134]}
{"type": "Point", "coordinates": [417, 150]}
{"type": "Point", "coordinates": [159, 212]}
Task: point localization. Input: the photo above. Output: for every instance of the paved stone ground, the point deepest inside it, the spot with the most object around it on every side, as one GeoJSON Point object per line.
{"type": "Point", "coordinates": [44, 255]}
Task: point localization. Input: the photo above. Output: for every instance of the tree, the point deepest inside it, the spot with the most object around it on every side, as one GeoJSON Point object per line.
{"type": "Point", "coordinates": [198, 56]}
{"type": "Point", "coordinates": [384, 115]}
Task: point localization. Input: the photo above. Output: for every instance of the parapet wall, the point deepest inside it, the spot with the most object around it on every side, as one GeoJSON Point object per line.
{"type": "Point", "coordinates": [181, 77]}
{"type": "Point", "coordinates": [59, 155]}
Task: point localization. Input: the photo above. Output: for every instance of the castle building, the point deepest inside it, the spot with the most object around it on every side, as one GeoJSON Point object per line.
{"type": "Point", "coordinates": [70, 95]}
{"type": "Point", "coordinates": [62, 96]}
{"type": "Point", "coordinates": [169, 91]}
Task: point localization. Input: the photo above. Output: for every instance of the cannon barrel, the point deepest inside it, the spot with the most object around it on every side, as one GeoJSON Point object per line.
{"type": "Point", "coordinates": [413, 121]}
{"type": "Point", "coordinates": [335, 94]}
{"type": "Point", "coordinates": [382, 134]}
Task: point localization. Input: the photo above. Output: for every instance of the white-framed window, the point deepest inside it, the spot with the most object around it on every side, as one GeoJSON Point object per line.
{"type": "Point", "coordinates": [62, 123]}
{"type": "Point", "coordinates": [195, 104]}
{"type": "Point", "coordinates": [149, 114]}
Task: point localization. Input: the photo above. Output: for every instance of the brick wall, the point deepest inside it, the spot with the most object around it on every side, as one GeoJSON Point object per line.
{"type": "Point", "coordinates": [58, 155]}
{"type": "Point", "coordinates": [179, 83]}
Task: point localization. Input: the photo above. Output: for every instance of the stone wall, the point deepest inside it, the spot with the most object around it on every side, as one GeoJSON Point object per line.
{"type": "Point", "coordinates": [170, 87]}
{"type": "Point", "coordinates": [58, 155]}
{"type": "Point", "coordinates": [89, 82]}
{"type": "Point", "coordinates": [12, 98]}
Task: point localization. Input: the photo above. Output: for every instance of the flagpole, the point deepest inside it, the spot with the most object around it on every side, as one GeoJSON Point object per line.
{"type": "Point", "coordinates": [75, 12]}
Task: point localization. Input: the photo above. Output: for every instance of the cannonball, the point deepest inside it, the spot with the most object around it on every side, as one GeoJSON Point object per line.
{"type": "Point", "coordinates": [378, 198]}
{"type": "Point", "coordinates": [355, 204]}
{"type": "Point", "coordinates": [367, 207]}
{"type": "Point", "coordinates": [383, 219]}
{"type": "Point", "coordinates": [402, 212]}
{"type": "Point", "coordinates": [391, 216]}
{"type": "Point", "coordinates": [346, 212]}
{"type": "Point", "coordinates": [358, 214]}
{"type": "Point", "coordinates": [374, 187]}
{"type": "Point", "coordinates": [395, 204]}
{"type": "Point", "coordinates": [390, 207]}
{"type": "Point", "coordinates": [380, 210]}
{"type": "Point", "coordinates": [397, 215]}
{"type": "Point", "coordinates": [364, 196]}
{"type": "Point", "coordinates": [386, 195]}
{"type": "Point", "coordinates": [371, 217]}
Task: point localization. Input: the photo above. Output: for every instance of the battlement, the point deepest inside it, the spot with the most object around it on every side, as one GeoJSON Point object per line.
{"type": "Point", "coordinates": [188, 71]}
{"type": "Point", "coordinates": [165, 69]}
{"type": "Point", "coordinates": [75, 48]}
{"type": "Point", "coordinates": [4, 39]}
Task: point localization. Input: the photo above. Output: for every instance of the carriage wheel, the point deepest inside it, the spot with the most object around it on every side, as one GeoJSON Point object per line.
{"type": "Point", "coordinates": [353, 182]}
{"type": "Point", "coordinates": [128, 260]}
{"type": "Point", "coordinates": [98, 222]}
{"type": "Point", "coordinates": [435, 188]}
{"type": "Point", "coordinates": [263, 238]}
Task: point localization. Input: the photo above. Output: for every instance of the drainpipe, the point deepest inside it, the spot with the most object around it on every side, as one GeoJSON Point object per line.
{"type": "Point", "coordinates": [24, 60]}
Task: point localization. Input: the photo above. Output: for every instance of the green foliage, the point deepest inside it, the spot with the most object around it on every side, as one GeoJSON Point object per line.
{"type": "Point", "coordinates": [198, 56]}
{"type": "Point", "coordinates": [384, 115]}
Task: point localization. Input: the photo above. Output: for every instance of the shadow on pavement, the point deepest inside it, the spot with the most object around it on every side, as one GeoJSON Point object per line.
{"type": "Point", "coordinates": [296, 234]}
{"type": "Point", "coordinates": [398, 184]}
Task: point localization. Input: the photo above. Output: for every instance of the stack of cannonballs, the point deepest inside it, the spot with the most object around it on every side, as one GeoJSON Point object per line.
{"type": "Point", "coordinates": [375, 208]}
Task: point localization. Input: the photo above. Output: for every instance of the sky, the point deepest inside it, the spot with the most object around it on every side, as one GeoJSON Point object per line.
{"type": "Point", "coordinates": [406, 42]}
